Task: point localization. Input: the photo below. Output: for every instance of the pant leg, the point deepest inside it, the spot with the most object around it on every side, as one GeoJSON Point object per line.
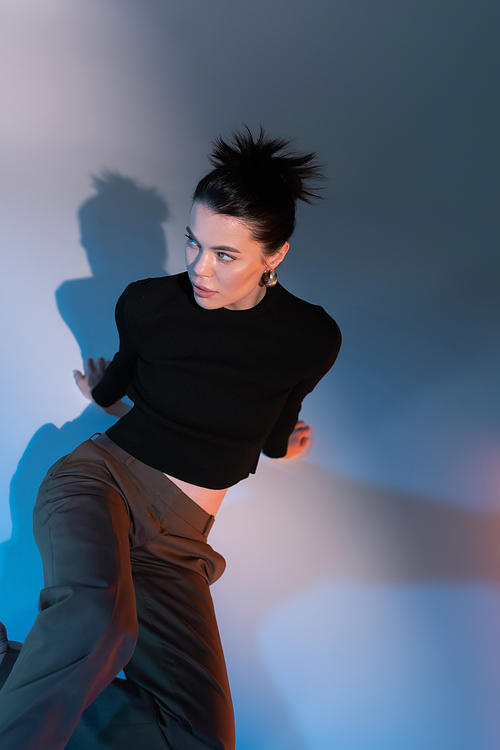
{"type": "Point", "coordinates": [87, 626]}
{"type": "Point", "coordinates": [179, 657]}
{"type": "Point", "coordinates": [123, 716]}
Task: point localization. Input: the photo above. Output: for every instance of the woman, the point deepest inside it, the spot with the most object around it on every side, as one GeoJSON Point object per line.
{"type": "Point", "coordinates": [217, 361]}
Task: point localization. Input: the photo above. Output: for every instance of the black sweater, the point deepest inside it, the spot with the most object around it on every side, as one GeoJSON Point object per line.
{"type": "Point", "coordinates": [212, 388]}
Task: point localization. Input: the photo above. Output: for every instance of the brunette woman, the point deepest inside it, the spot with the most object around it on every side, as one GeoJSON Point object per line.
{"type": "Point", "coordinates": [217, 361]}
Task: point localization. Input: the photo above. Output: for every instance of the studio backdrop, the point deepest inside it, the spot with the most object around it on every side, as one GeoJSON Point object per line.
{"type": "Point", "coordinates": [360, 609]}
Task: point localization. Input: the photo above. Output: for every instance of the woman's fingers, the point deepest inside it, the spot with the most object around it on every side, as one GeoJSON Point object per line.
{"type": "Point", "coordinates": [101, 365]}
{"type": "Point", "coordinates": [82, 382]}
{"type": "Point", "coordinates": [299, 439]}
{"type": "Point", "coordinates": [94, 370]}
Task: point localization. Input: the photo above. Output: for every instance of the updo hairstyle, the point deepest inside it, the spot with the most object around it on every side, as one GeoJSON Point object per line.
{"type": "Point", "coordinates": [260, 182]}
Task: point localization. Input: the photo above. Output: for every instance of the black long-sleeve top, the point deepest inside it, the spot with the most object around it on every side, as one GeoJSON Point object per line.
{"type": "Point", "coordinates": [212, 388]}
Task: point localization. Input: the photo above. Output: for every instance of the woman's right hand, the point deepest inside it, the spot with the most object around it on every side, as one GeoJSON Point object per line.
{"type": "Point", "coordinates": [92, 375]}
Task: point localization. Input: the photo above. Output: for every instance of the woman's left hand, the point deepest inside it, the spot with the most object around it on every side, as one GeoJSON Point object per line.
{"type": "Point", "coordinates": [298, 440]}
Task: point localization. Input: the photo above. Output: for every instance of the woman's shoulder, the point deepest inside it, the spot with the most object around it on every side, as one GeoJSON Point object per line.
{"type": "Point", "coordinates": [158, 288]}
{"type": "Point", "coordinates": [142, 301]}
{"type": "Point", "coordinates": [310, 323]}
{"type": "Point", "coordinates": [307, 315]}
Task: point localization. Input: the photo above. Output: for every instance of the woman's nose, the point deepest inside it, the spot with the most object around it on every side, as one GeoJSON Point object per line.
{"type": "Point", "coordinates": [202, 266]}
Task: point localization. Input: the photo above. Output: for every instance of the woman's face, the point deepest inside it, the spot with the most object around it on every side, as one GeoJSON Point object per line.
{"type": "Point", "coordinates": [224, 263]}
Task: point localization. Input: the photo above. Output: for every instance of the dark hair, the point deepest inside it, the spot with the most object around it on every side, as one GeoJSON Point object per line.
{"type": "Point", "coordinates": [259, 181]}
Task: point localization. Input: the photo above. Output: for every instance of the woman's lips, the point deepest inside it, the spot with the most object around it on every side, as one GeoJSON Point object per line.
{"type": "Point", "coordinates": [202, 291]}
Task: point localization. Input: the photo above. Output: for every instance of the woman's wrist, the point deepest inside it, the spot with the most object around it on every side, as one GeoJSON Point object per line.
{"type": "Point", "coordinates": [118, 409]}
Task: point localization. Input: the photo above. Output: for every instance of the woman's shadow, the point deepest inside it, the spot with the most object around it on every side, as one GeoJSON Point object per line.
{"type": "Point", "coordinates": [122, 233]}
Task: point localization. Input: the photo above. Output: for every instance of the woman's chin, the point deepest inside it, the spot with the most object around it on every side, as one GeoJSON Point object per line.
{"type": "Point", "coordinates": [208, 303]}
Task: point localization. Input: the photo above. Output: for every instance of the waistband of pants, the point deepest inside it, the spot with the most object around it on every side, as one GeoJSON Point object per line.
{"type": "Point", "coordinates": [193, 513]}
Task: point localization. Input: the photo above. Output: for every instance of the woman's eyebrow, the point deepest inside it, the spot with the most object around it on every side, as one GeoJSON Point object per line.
{"type": "Point", "coordinates": [223, 248]}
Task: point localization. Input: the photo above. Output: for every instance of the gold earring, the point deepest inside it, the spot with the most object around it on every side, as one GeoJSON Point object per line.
{"type": "Point", "coordinates": [269, 277]}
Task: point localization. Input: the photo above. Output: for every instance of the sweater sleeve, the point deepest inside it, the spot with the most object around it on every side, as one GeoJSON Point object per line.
{"type": "Point", "coordinates": [118, 375]}
{"type": "Point", "coordinates": [277, 441]}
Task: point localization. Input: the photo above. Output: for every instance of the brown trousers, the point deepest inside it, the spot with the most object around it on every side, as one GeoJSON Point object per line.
{"type": "Point", "coordinates": [127, 570]}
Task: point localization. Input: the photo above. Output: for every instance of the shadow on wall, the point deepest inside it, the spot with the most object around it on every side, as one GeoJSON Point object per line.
{"type": "Point", "coordinates": [295, 526]}
{"type": "Point", "coordinates": [122, 234]}
{"type": "Point", "coordinates": [123, 237]}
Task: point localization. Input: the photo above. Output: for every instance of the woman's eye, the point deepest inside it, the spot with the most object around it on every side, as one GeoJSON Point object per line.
{"type": "Point", "coordinates": [225, 257]}
{"type": "Point", "coordinates": [191, 241]}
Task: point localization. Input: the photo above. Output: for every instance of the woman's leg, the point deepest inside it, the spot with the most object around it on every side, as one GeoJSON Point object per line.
{"type": "Point", "coordinates": [122, 716]}
{"type": "Point", "coordinates": [179, 657]}
{"type": "Point", "coordinates": [86, 628]}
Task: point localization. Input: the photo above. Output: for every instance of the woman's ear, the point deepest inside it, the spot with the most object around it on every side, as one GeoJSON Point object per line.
{"type": "Point", "coordinates": [275, 259]}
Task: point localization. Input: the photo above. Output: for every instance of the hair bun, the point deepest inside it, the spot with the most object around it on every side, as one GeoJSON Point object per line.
{"type": "Point", "coordinates": [272, 155]}
{"type": "Point", "coordinates": [259, 181]}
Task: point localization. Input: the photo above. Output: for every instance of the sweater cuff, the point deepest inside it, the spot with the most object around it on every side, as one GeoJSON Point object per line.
{"type": "Point", "coordinates": [275, 448]}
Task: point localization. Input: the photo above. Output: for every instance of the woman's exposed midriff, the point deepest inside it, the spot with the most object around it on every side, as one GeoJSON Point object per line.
{"type": "Point", "coordinates": [209, 500]}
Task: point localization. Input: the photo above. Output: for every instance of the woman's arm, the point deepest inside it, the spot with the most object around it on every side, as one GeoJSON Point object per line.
{"type": "Point", "coordinates": [94, 372]}
{"type": "Point", "coordinates": [106, 382]}
{"type": "Point", "coordinates": [290, 436]}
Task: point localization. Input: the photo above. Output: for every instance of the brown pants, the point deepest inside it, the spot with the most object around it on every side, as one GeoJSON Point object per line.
{"type": "Point", "coordinates": [127, 570]}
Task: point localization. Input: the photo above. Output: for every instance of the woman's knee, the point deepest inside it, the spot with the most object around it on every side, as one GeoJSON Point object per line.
{"type": "Point", "coordinates": [93, 618]}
